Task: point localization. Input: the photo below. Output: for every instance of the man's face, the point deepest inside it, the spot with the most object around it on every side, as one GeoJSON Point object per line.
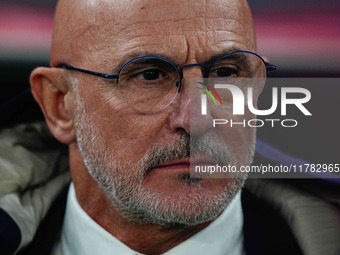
{"type": "Point", "coordinates": [142, 160]}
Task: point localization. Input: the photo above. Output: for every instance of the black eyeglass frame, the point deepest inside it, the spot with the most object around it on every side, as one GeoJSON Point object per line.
{"type": "Point", "coordinates": [269, 67]}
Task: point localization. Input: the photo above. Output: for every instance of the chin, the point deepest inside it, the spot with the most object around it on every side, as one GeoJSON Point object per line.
{"type": "Point", "coordinates": [181, 202]}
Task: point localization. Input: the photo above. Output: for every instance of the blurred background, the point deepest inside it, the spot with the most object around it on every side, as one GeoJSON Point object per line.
{"type": "Point", "coordinates": [301, 37]}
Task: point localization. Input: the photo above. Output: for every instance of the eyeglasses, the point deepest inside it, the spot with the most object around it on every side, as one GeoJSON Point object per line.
{"type": "Point", "coordinates": [150, 83]}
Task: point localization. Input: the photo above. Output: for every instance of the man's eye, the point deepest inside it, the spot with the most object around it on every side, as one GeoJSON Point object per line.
{"type": "Point", "coordinates": [149, 75]}
{"type": "Point", "coordinates": [223, 72]}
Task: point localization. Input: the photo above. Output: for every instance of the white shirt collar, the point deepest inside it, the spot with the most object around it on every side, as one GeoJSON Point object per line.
{"type": "Point", "coordinates": [82, 235]}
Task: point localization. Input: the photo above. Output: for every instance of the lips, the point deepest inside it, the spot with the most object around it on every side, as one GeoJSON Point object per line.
{"type": "Point", "coordinates": [186, 162]}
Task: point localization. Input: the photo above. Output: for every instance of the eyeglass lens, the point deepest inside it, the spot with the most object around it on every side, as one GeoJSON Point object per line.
{"type": "Point", "coordinates": [148, 84]}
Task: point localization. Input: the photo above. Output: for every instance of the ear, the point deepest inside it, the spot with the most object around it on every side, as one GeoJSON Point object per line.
{"type": "Point", "coordinates": [50, 90]}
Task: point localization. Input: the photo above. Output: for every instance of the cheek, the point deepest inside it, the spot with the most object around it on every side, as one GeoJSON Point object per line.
{"type": "Point", "coordinates": [242, 142]}
{"type": "Point", "coordinates": [238, 135]}
{"type": "Point", "coordinates": [125, 133]}
{"type": "Point", "coordinates": [246, 139]}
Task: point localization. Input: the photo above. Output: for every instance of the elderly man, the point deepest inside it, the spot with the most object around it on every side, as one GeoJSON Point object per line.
{"type": "Point", "coordinates": [118, 94]}
{"type": "Point", "coordinates": [130, 167]}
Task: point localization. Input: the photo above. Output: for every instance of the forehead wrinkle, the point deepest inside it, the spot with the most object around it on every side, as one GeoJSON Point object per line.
{"type": "Point", "coordinates": [166, 25]}
{"type": "Point", "coordinates": [99, 27]}
{"type": "Point", "coordinates": [176, 28]}
{"type": "Point", "coordinates": [178, 13]}
{"type": "Point", "coordinates": [136, 46]}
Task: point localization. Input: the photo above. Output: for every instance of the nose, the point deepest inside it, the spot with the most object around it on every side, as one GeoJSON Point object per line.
{"type": "Point", "coordinates": [187, 115]}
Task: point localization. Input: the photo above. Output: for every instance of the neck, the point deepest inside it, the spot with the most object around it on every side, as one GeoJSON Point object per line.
{"type": "Point", "coordinates": [144, 238]}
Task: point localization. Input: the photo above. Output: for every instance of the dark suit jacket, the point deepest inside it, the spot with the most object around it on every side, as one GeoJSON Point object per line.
{"type": "Point", "coordinates": [265, 231]}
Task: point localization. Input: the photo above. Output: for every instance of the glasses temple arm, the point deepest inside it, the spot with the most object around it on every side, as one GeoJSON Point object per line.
{"type": "Point", "coordinates": [270, 67]}
{"type": "Point", "coordinates": [103, 75]}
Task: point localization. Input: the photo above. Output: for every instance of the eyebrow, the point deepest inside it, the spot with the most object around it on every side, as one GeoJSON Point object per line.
{"type": "Point", "coordinates": [217, 55]}
{"type": "Point", "coordinates": [135, 54]}
{"type": "Point", "coordinates": [138, 53]}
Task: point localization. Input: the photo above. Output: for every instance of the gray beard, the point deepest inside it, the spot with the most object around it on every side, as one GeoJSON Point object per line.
{"type": "Point", "coordinates": [122, 180]}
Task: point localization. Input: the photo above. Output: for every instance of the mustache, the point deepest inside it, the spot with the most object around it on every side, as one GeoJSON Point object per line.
{"type": "Point", "coordinates": [187, 146]}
